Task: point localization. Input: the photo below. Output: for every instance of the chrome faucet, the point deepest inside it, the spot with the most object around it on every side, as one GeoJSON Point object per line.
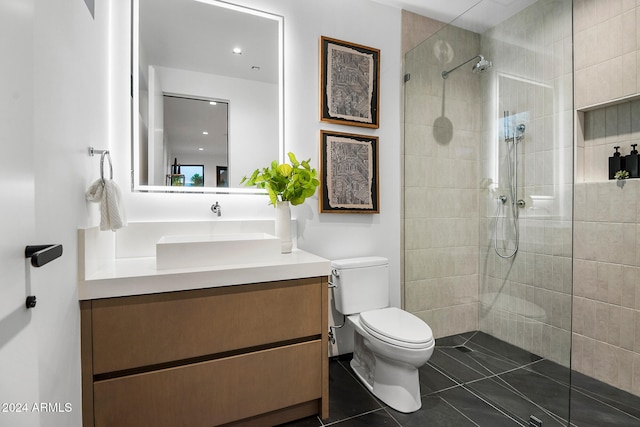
{"type": "Point", "coordinates": [216, 209]}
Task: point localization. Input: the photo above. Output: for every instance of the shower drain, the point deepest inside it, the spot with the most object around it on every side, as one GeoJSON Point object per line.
{"type": "Point", "coordinates": [534, 422]}
{"type": "Point", "coordinates": [463, 349]}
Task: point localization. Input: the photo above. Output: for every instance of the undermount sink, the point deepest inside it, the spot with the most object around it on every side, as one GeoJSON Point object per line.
{"type": "Point", "coordinates": [214, 250]}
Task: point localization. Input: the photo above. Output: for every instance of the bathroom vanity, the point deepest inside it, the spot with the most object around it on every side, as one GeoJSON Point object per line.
{"type": "Point", "coordinates": [237, 344]}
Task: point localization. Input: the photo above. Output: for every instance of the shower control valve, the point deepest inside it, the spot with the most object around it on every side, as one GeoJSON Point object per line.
{"type": "Point", "coordinates": [503, 199]}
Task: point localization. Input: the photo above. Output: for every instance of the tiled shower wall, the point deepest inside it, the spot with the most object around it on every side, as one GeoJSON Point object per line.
{"type": "Point", "coordinates": [440, 183]}
{"type": "Point", "coordinates": [606, 303]}
{"type": "Point", "coordinates": [606, 39]}
{"type": "Point", "coordinates": [606, 317]}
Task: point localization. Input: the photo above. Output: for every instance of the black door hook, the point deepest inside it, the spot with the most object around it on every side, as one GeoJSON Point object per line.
{"type": "Point", "coordinates": [42, 254]}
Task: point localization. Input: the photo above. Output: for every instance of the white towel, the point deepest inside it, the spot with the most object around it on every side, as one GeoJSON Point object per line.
{"type": "Point", "coordinates": [112, 215]}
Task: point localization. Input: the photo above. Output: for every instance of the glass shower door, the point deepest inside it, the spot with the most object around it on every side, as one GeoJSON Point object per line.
{"type": "Point", "coordinates": [488, 190]}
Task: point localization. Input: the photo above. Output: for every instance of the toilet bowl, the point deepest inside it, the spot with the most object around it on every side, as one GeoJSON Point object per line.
{"type": "Point", "coordinates": [387, 360]}
{"type": "Point", "coordinates": [390, 344]}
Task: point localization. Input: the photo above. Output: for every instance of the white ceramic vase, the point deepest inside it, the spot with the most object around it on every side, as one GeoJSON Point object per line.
{"type": "Point", "coordinates": [283, 225]}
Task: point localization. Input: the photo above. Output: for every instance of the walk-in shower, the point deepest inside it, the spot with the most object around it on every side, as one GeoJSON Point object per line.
{"type": "Point", "coordinates": [454, 278]}
{"type": "Point", "coordinates": [513, 135]}
{"type": "Point", "coordinates": [479, 67]}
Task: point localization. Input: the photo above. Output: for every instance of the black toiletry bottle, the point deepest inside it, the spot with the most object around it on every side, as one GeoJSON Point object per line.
{"type": "Point", "coordinates": [616, 163]}
{"type": "Point", "coordinates": [631, 162]}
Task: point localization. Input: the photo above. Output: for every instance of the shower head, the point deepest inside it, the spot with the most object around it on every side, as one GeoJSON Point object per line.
{"type": "Point", "coordinates": [482, 65]}
{"type": "Point", "coordinates": [479, 67]}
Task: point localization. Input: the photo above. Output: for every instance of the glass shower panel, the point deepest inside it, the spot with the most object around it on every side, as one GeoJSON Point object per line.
{"type": "Point", "coordinates": [526, 299]}
{"type": "Point", "coordinates": [488, 188]}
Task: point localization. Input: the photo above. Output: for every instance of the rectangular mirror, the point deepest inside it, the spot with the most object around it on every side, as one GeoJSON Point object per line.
{"type": "Point", "coordinates": [207, 92]}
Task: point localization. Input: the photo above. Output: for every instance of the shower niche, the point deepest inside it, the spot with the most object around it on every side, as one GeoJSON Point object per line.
{"type": "Point", "coordinates": [601, 129]}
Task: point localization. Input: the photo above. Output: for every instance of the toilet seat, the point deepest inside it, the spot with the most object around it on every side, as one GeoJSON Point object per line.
{"type": "Point", "coordinates": [397, 327]}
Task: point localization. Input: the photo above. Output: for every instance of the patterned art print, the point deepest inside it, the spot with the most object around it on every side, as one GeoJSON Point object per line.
{"type": "Point", "coordinates": [349, 83]}
{"type": "Point", "coordinates": [349, 173]}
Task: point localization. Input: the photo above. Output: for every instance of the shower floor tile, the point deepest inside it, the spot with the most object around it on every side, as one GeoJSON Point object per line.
{"type": "Point", "coordinates": [493, 384]}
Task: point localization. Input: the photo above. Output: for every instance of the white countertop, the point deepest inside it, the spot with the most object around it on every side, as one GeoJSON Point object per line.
{"type": "Point", "coordinates": [137, 276]}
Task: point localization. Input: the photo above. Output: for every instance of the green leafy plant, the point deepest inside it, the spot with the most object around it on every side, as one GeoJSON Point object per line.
{"type": "Point", "coordinates": [197, 180]}
{"type": "Point", "coordinates": [621, 175]}
{"type": "Point", "coordinates": [284, 182]}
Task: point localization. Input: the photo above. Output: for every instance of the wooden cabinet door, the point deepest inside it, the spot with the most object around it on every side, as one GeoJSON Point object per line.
{"type": "Point", "coordinates": [150, 330]}
{"type": "Point", "coordinates": [214, 392]}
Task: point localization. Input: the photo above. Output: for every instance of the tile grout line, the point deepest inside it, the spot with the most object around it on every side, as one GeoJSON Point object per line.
{"type": "Point", "coordinates": [446, 375]}
{"type": "Point", "coordinates": [463, 384]}
{"type": "Point", "coordinates": [357, 416]}
{"type": "Point", "coordinates": [500, 410]}
{"type": "Point", "coordinates": [493, 375]}
{"type": "Point", "coordinates": [386, 409]}
{"type": "Point", "coordinates": [517, 392]}
{"type": "Point", "coordinates": [604, 403]}
{"type": "Point", "coordinates": [464, 364]}
{"type": "Point", "coordinates": [458, 411]}
{"type": "Point", "coordinates": [591, 395]}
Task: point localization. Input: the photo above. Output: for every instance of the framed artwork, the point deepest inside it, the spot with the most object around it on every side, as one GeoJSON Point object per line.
{"type": "Point", "coordinates": [348, 173]}
{"type": "Point", "coordinates": [349, 87]}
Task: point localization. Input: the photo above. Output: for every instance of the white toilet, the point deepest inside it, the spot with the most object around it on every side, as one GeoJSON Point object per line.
{"type": "Point", "coordinates": [390, 344]}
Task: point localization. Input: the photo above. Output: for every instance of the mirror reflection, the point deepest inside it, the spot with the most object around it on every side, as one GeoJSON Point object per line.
{"type": "Point", "coordinates": [207, 96]}
{"type": "Point", "coordinates": [195, 137]}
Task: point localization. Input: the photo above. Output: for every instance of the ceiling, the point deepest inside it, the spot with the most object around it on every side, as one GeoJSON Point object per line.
{"type": "Point", "coordinates": [200, 36]}
{"type": "Point", "coordinates": [187, 119]}
{"type": "Point", "coordinates": [474, 15]}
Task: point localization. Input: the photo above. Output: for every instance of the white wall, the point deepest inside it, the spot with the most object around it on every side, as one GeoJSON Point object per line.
{"type": "Point", "coordinates": [18, 335]}
{"type": "Point", "coordinates": [69, 85]}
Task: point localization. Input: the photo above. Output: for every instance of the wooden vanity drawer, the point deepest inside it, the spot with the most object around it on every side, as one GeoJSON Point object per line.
{"type": "Point", "coordinates": [214, 392]}
{"type": "Point", "coordinates": [148, 330]}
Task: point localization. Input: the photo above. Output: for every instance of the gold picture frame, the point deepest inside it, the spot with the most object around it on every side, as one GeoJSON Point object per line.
{"type": "Point", "coordinates": [348, 173]}
{"type": "Point", "coordinates": [349, 83]}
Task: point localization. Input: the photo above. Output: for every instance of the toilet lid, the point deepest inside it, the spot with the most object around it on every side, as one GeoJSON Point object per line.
{"type": "Point", "coordinates": [397, 327]}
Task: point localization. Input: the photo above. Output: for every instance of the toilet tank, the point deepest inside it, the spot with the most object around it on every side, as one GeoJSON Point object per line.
{"type": "Point", "coordinates": [361, 284]}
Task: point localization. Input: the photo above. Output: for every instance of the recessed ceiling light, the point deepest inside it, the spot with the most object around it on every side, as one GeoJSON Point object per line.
{"type": "Point", "coordinates": [213, 103]}
{"type": "Point", "coordinates": [200, 149]}
{"type": "Point", "coordinates": [237, 51]}
{"type": "Point", "coordinates": [205, 133]}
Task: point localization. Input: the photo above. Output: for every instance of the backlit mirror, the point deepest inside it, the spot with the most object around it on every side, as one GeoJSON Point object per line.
{"type": "Point", "coordinates": [207, 94]}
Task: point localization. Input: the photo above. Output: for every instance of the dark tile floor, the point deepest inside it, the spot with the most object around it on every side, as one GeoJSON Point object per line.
{"type": "Point", "coordinates": [474, 379]}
